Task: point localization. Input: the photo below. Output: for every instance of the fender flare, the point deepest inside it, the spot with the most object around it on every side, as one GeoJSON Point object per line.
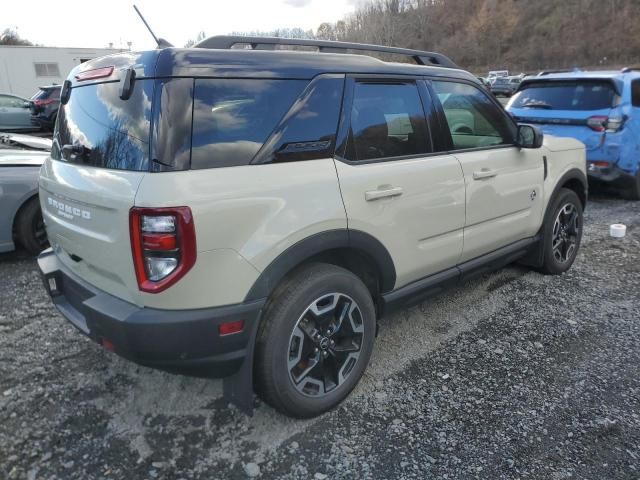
{"type": "Point", "coordinates": [317, 244]}
{"type": "Point", "coordinates": [572, 174]}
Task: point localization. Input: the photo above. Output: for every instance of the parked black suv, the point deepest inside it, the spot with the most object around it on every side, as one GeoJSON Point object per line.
{"type": "Point", "coordinates": [44, 107]}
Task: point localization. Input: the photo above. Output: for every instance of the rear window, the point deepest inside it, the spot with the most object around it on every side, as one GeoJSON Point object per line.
{"type": "Point", "coordinates": [101, 130]}
{"type": "Point", "coordinates": [232, 118]}
{"type": "Point", "coordinates": [566, 95]}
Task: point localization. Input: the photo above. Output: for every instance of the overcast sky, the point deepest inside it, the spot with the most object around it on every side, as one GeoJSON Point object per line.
{"type": "Point", "coordinates": [93, 23]}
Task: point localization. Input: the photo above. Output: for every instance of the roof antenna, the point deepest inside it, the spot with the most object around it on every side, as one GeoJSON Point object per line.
{"type": "Point", "coordinates": [161, 42]}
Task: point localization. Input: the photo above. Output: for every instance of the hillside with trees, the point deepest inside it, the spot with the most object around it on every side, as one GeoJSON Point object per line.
{"type": "Point", "coordinates": [521, 35]}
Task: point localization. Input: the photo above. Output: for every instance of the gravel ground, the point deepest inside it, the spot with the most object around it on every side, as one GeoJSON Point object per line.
{"type": "Point", "coordinates": [514, 375]}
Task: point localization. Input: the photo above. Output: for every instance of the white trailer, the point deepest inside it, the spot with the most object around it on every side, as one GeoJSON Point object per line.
{"type": "Point", "coordinates": [24, 69]}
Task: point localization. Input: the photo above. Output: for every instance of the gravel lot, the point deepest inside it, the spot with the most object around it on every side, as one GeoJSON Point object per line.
{"type": "Point", "coordinates": [514, 375]}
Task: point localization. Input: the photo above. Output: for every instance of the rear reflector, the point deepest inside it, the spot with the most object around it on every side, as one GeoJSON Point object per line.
{"type": "Point", "coordinates": [599, 164]}
{"type": "Point", "coordinates": [230, 327]}
{"type": "Point", "coordinates": [94, 74]}
{"type": "Point", "coordinates": [107, 344]}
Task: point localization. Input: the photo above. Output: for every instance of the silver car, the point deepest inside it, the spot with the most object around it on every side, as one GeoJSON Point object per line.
{"type": "Point", "coordinates": [15, 113]}
{"type": "Point", "coordinates": [20, 216]}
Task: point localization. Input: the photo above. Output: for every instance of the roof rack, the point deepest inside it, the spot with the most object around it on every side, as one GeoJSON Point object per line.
{"type": "Point", "coordinates": [562, 70]}
{"type": "Point", "coordinates": [224, 42]}
{"type": "Point", "coordinates": [630, 69]}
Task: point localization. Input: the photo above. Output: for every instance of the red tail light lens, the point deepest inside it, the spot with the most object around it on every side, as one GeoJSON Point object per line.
{"type": "Point", "coordinates": [42, 103]}
{"type": "Point", "coordinates": [598, 123]}
{"type": "Point", "coordinates": [163, 244]}
{"type": "Point", "coordinates": [94, 74]}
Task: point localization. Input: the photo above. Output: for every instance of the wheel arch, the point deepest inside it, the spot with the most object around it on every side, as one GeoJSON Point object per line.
{"type": "Point", "coordinates": [353, 250]}
{"type": "Point", "coordinates": [22, 204]}
{"type": "Point", "coordinates": [575, 180]}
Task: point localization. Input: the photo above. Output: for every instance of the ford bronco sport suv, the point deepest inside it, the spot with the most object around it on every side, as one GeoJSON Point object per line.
{"type": "Point", "coordinates": [250, 214]}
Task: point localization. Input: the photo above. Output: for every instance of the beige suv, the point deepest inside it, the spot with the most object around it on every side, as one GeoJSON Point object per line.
{"type": "Point", "coordinates": [250, 213]}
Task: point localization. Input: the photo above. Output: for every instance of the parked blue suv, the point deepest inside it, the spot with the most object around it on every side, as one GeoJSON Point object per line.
{"type": "Point", "coordinates": [601, 109]}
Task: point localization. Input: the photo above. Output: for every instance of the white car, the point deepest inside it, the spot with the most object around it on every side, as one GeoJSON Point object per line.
{"type": "Point", "coordinates": [251, 213]}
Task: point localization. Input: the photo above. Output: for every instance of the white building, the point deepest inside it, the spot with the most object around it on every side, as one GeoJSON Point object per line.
{"type": "Point", "coordinates": [24, 69]}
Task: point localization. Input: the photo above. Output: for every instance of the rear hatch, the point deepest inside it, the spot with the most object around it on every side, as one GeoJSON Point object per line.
{"type": "Point", "coordinates": [584, 109]}
{"type": "Point", "coordinates": [99, 156]}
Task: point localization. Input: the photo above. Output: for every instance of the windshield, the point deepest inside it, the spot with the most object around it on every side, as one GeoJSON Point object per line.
{"type": "Point", "coordinates": [566, 95]}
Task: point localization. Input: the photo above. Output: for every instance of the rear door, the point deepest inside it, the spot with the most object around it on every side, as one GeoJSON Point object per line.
{"type": "Point", "coordinates": [100, 154]}
{"type": "Point", "coordinates": [503, 182]}
{"type": "Point", "coordinates": [394, 186]}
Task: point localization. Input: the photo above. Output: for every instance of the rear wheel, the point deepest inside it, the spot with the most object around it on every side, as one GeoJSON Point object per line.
{"type": "Point", "coordinates": [562, 232]}
{"type": "Point", "coordinates": [315, 340]}
{"type": "Point", "coordinates": [29, 227]}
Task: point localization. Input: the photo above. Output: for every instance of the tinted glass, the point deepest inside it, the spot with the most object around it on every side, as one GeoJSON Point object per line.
{"type": "Point", "coordinates": [473, 119]}
{"type": "Point", "coordinates": [309, 128]}
{"type": "Point", "coordinates": [233, 118]}
{"type": "Point", "coordinates": [107, 132]}
{"type": "Point", "coordinates": [11, 102]}
{"type": "Point", "coordinates": [172, 116]}
{"type": "Point", "coordinates": [566, 96]}
{"type": "Point", "coordinates": [635, 93]}
{"type": "Point", "coordinates": [387, 120]}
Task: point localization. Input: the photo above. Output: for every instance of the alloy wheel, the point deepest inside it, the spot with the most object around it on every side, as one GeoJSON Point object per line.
{"type": "Point", "coordinates": [566, 229]}
{"type": "Point", "coordinates": [325, 344]}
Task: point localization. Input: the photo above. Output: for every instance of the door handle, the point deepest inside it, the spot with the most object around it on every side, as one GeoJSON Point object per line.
{"type": "Point", "coordinates": [382, 193]}
{"type": "Point", "coordinates": [484, 173]}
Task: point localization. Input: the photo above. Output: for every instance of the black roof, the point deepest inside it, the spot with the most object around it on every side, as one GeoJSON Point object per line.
{"type": "Point", "coordinates": [249, 63]}
{"type": "Point", "coordinates": [284, 64]}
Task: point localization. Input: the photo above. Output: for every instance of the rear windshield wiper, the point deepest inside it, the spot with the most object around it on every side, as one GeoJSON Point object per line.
{"type": "Point", "coordinates": [542, 105]}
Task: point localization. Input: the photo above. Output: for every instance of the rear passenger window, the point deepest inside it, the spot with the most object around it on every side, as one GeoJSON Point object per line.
{"type": "Point", "coordinates": [473, 119]}
{"type": "Point", "coordinates": [635, 93]}
{"type": "Point", "coordinates": [232, 118]}
{"type": "Point", "coordinates": [387, 120]}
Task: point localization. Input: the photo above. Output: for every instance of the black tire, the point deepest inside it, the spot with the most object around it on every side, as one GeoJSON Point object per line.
{"type": "Point", "coordinates": [633, 191]}
{"type": "Point", "coordinates": [563, 228]}
{"type": "Point", "coordinates": [29, 227]}
{"type": "Point", "coordinates": [288, 314]}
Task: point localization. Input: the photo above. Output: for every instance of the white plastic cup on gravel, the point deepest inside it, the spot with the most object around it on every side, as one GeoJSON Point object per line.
{"type": "Point", "coordinates": [617, 230]}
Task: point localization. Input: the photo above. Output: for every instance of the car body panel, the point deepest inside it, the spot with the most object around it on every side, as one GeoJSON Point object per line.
{"type": "Point", "coordinates": [503, 208]}
{"type": "Point", "coordinates": [423, 227]}
{"type": "Point", "coordinates": [14, 113]}
{"type": "Point", "coordinates": [19, 172]}
{"type": "Point", "coordinates": [245, 216]}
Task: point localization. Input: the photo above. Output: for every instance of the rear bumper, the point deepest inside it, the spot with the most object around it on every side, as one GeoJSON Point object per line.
{"type": "Point", "coordinates": [186, 341]}
{"type": "Point", "coordinates": [612, 176]}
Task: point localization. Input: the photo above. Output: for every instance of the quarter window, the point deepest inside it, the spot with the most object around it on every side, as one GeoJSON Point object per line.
{"type": "Point", "coordinates": [233, 118]}
{"type": "Point", "coordinates": [474, 120]}
{"type": "Point", "coordinates": [387, 120]}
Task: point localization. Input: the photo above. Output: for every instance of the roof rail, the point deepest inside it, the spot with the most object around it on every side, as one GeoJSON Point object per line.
{"type": "Point", "coordinates": [562, 70]}
{"type": "Point", "coordinates": [224, 42]}
{"type": "Point", "coordinates": [630, 69]}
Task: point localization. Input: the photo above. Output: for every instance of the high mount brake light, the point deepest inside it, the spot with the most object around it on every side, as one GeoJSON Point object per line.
{"type": "Point", "coordinates": [94, 74]}
{"type": "Point", "coordinates": [163, 245]}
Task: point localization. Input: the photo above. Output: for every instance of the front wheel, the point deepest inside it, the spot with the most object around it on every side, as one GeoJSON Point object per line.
{"type": "Point", "coordinates": [315, 340]}
{"type": "Point", "coordinates": [562, 232]}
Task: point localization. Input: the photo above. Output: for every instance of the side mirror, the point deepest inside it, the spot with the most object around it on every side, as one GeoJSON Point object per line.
{"type": "Point", "coordinates": [529, 136]}
{"type": "Point", "coordinates": [26, 104]}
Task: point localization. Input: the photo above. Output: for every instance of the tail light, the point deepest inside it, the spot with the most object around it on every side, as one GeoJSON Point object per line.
{"type": "Point", "coordinates": [94, 74]}
{"type": "Point", "coordinates": [602, 123]}
{"type": "Point", "coordinates": [42, 103]}
{"type": "Point", "coordinates": [163, 244]}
